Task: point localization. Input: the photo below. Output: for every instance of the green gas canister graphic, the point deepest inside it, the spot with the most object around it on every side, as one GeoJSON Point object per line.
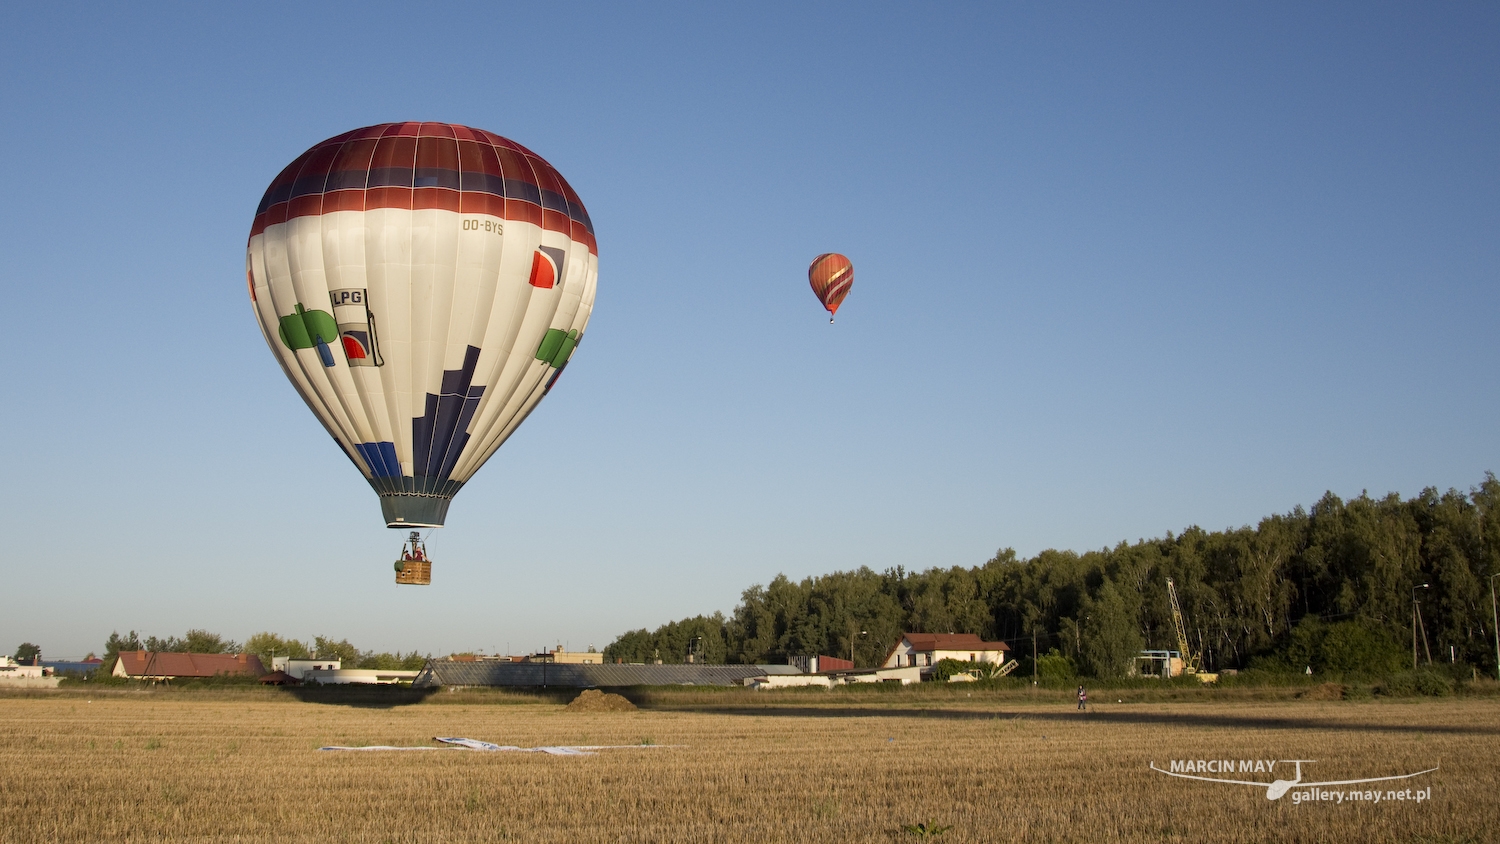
{"type": "Point", "coordinates": [356, 323]}
{"type": "Point", "coordinates": [304, 329]}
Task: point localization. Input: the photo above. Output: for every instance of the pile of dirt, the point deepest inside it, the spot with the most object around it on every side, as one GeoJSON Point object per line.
{"type": "Point", "coordinates": [593, 700]}
{"type": "Point", "coordinates": [1325, 691]}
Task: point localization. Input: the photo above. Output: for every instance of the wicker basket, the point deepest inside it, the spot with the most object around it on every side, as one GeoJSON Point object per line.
{"type": "Point", "coordinates": [414, 573]}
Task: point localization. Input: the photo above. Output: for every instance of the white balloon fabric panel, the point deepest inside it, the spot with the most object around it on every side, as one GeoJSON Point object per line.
{"type": "Point", "coordinates": [422, 285]}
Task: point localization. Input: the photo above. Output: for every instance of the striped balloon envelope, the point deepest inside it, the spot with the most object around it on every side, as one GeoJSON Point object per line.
{"type": "Point", "coordinates": [831, 276]}
{"type": "Point", "coordinates": [422, 286]}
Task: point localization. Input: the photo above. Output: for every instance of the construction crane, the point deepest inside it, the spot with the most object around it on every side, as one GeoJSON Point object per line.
{"type": "Point", "coordinates": [1190, 662]}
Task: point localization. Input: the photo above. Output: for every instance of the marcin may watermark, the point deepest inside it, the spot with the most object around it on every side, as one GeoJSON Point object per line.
{"type": "Point", "coordinates": [1302, 792]}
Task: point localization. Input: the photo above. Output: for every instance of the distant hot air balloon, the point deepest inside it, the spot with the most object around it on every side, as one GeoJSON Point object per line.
{"type": "Point", "coordinates": [422, 286]}
{"type": "Point", "coordinates": [831, 276]}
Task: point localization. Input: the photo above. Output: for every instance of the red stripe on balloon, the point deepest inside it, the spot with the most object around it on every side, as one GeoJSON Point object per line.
{"type": "Point", "coordinates": [345, 163]}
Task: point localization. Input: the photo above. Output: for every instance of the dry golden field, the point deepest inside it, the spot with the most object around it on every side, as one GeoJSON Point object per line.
{"type": "Point", "coordinates": [243, 766]}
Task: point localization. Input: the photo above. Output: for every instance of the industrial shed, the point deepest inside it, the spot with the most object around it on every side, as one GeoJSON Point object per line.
{"type": "Point", "coordinates": [446, 672]}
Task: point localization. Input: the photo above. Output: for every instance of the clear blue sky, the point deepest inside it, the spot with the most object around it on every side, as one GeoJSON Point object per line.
{"type": "Point", "coordinates": [1120, 269]}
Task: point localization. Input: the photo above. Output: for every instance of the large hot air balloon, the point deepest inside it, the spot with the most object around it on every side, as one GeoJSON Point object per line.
{"type": "Point", "coordinates": [831, 276]}
{"type": "Point", "coordinates": [422, 285]}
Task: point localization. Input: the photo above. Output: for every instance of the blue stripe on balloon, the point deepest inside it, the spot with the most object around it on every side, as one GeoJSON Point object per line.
{"type": "Point", "coordinates": [381, 458]}
{"type": "Point", "coordinates": [440, 434]}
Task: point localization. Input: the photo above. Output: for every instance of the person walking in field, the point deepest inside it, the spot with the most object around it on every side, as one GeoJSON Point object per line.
{"type": "Point", "coordinates": [1083, 698]}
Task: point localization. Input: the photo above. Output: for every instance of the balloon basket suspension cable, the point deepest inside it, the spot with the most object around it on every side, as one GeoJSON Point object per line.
{"type": "Point", "coordinates": [414, 567]}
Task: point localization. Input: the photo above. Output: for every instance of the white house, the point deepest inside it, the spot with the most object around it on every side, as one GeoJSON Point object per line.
{"type": "Point", "coordinates": [925, 650]}
{"type": "Point", "coordinates": [561, 657]}
{"type": "Point", "coordinates": [17, 676]}
{"type": "Point", "coordinates": [365, 676]}
{"type": "Point", "coordinates": [298, 668]}
{"type": "Point", "coordinates": [12, 670]}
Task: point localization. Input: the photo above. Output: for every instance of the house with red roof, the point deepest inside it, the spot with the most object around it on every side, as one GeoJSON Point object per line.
{"type": "Point", "coordinates": [157, 665]}
{"type": "Point", "coordinates": [926, 650]}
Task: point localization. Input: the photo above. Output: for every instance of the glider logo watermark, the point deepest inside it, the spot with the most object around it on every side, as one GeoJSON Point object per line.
{"type": "Point", "coordinates": [1302, 792]}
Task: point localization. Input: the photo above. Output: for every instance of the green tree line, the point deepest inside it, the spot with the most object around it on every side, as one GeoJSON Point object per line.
{"type": "Point", "coordinates": [265, 645]}
{"type": "Point", "coordinates": [1328, 588]}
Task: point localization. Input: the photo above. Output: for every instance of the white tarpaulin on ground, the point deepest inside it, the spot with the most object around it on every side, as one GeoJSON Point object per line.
{"type": "Point", "coordinates": [453, 743]}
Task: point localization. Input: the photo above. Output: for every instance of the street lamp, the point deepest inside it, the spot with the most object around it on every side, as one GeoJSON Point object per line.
{"type": "Point", "coordinates": [1414, 625]}
{"type": "Point", "coordinates": [1496, 615]}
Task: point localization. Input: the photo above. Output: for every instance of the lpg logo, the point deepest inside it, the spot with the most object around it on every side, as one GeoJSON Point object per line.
{"type": "Point", "coordinates": [356, 326]}
{"type": "Point", "coordinates": [347, 296]}
{"type": "Point", "coordinates": [1301, 791]}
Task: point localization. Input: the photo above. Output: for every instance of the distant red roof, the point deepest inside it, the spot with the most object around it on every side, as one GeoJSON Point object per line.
{"type": "Point", "coordinates": [158, 664]}
{"type": "Point", "coordinates": [280, 678]}
{"type": "Point", "coordinates": [952, 642]}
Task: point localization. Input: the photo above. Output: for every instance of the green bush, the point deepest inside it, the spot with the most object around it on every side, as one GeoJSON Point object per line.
{"type": "Point", "coordinates": [1434, 684]}
{"type": "Point", "coordinates": [216, 681]}
{"type": "Point", "coordinates": [98, 678]}
{"type": "Point", "coordinates": [981, 671]}
{"type": "Point", "coordinates": [947, 668]}
{"type": "Point", "coordinates": [1056, 667]}
{"type": "Point", "coordinates": [1413, 683]}
{"type": "Point", "coordinates": [1358, 648]}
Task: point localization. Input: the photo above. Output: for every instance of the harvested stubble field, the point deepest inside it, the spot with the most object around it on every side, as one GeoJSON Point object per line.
{"type": "Point", "coordinates": [243, 765]}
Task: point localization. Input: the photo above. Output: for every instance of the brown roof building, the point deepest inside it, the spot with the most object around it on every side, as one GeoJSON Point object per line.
{"type": "Point", "coordinates": [925, 650]}
{"type": "Point", "coordinates": [155, 665]}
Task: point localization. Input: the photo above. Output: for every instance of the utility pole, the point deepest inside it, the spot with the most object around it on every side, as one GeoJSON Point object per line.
{"type": "Point", "coordinates": [1422, 626]}
{"type": "Point", "coordinates": [1496, 615]}
{"type": "Point", "coordinates": [1414, 618]}
{"type": "Point", "coordinates": [1033, 655]}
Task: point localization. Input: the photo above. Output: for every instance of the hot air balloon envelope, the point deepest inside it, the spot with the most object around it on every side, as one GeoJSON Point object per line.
{"type": "Point", "coordinates": [831, 276]}
{"type": "Point", "coordinates": [422, 286]}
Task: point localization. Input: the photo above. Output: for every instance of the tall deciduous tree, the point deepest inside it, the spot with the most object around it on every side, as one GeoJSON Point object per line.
{"type": "Point", "coordinates": [327, 648]}
{"type": "Point", "coordinates": [1111, 632]}
{"type": "Point", "coordinates": [267, 645]}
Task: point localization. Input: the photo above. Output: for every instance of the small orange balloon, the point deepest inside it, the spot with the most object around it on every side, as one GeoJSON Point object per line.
{"type": "Point", "coordinates": [831, 276]}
